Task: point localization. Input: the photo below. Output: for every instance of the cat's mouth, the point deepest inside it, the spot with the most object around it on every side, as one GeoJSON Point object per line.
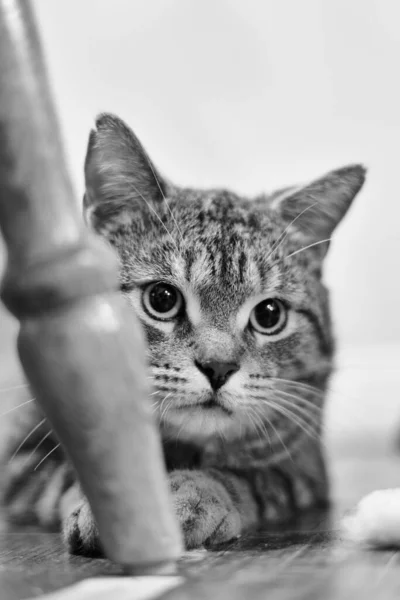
{"type": "Point", "coordinates": [211, 403]}
{"type": "Point", "coordinates": [201, 416]}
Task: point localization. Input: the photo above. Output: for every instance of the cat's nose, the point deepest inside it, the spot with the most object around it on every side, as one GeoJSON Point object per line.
{"type": "Point", "coordinates": [217, 372]}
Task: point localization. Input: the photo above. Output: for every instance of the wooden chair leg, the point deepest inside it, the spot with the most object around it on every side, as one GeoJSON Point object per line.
{"type": "Point", "coordinates": [80, 345]}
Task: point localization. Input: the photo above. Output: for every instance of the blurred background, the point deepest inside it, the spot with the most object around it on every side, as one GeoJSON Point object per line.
{"type": "Point", "coordinates": [253, 95]}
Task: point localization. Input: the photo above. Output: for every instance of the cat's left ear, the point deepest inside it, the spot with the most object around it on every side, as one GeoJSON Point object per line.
{"type": "Point", "coordinates": [121, 182]}
{"type": "Point", "coordinates": [317, 208]}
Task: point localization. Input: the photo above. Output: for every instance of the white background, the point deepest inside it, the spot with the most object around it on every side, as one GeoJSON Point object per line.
{"type": "Point", "coordinates": [250, 95]}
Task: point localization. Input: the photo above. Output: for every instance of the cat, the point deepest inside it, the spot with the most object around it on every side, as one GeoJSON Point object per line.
{"type": "Point", "coordinates": [230, 293]}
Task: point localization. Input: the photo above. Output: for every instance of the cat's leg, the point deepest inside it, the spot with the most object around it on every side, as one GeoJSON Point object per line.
{"type": "Point", "coordinates": [79, 528]}
{"type": "Point", "coordinates": [217, 505]}
{"type": "Point", "coordinates": [214, 505]}
{"type": "Point", "coordinates": [211, 507]}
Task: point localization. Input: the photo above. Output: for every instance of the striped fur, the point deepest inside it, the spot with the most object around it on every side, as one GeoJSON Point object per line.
{"type": "Point", "coordinates": [259, 455]}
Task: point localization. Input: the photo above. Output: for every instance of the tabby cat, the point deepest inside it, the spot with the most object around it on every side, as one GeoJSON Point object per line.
{"type": "Point", "coordinates": [230, 294]}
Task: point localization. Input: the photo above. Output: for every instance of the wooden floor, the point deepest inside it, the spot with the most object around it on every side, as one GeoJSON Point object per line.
{"type": "Point", "coordinates": [305, 561]}
{"type": "Point", "coordinates": [308, 560]}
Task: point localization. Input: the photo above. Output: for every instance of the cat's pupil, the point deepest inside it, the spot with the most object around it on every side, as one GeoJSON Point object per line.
{"type": "Point", "coordinates": [267, 314]}
{"type": "Point", "coordinates": [163, 297]}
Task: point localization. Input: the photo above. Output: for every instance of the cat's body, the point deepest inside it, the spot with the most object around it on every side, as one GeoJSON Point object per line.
{"type": "Point", "coordinates": [240, 347]}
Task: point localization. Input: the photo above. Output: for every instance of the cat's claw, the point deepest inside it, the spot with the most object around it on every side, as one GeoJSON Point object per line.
{"type": "Point", "coordinates": [204, 509]}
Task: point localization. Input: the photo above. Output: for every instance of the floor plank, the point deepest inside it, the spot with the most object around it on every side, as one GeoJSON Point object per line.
{"type": "Point", "coordinates": [306, 560]}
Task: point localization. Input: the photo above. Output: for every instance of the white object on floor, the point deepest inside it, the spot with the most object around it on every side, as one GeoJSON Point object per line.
{"type": "Point", "coordinates": [376, 520]}
{"type": "Point", "coordinates": [117, 588]}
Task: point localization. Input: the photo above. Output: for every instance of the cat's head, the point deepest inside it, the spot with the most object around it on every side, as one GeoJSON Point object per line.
{"type": "Point", "coordinates": [228, 289]}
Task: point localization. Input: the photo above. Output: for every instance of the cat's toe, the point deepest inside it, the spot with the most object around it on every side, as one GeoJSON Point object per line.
{"type": "Point", "coordinates": [80, 532]}
{"type": "Point", "coordinates": [204, 509]}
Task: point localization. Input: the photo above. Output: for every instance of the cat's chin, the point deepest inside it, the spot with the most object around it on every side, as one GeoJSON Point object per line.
{"type": "Point", "coordinates": [200, 423]}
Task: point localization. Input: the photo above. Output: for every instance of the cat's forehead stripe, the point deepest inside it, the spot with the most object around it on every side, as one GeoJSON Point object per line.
{"type": "Point", "coordinates": [221, 284]}
{"type": "Point", "coordinates": [201, 271]}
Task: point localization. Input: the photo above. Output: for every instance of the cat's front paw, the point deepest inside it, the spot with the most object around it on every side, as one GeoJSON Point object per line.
{"type": "Point", "coordinates": [80, 531]}
{"type": "Point", "coordinates": [205, 511]}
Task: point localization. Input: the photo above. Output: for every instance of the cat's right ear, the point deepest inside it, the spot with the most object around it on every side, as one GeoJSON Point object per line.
{"type": "Point", "coordinates": [119, 176]}
{"type": "Point", "coordinates": [317, 208]}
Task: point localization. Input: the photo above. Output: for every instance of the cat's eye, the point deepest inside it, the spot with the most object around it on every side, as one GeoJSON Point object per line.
{"type": "Point", "coordinates": [269, 317]}
{"type": "Point", "coordinates": [162, 301]}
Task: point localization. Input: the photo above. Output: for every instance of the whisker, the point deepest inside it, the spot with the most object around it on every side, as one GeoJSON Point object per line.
{"type": "Point", "coordinates": [294, 418]}
{"type": "Point", "coordinates": [17, 407]}
{"type": "Point", "coordinates": [258, 423]}
{"type": "Point", "coordinates": [167, 407]}
{"type": "Point", "coordinates": [221, 432]}
{"type": "Point", "coordinates": [267, 390]}
{"type": "Point", "coordinates": [241, 429]}
{"type": "Point", "coordinates": [163, 413]}
{"type": "Point", "coordinates": [308, 408]}
{"type": "Point", "coordinates": [299, 384]}
{"type": "Point", "coordinates": [263, 425]}
{"type": "Point", "coordinates": [303, 386]}
{"type": "Point", "coordinates": [276, 402]}
{"type": "Point", "coordinates": [44, 438]}
{"type": "Point", "coordinates": [303, 411]}
{"type": "Point", "coordinates": [305, 401]}
{"type": "Point", "coordinates": [163, 195]}
{"type": "Point", "coordinates": [310, 404]}
{"type": "Point", "coordinates": [47, 455]}
{"type": "Point", "coordinates": [284, 446]}
{"type": "Point", "coordinates": [181, 429]}
{"type": "Point", "coordinates": [286, 230]}
{"type": "Point", "coordinates": [307, 247]}
{"type": "Point", "coordinates": [278, 435]}
{"type": "Point", "coordinates": [156, 213]}
{"type": "Point", "coordinates": [317, 392]}
{"type": "Point", "coordinates": [14, 387]}
{"type": "Point", "coordinates": [310, 429]}
{"type": "Point", "coordinates": [164, 399]}
{"type": "Point", "coordinates": [27, 438]}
